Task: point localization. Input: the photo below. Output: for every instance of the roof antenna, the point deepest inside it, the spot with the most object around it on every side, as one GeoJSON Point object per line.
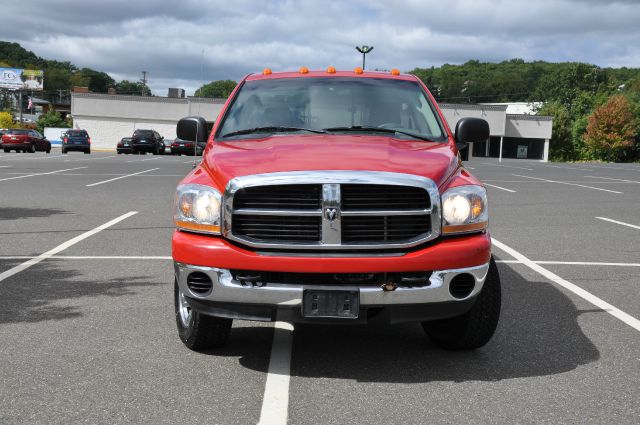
{"type": "Point", "coordinates": [195, 145]}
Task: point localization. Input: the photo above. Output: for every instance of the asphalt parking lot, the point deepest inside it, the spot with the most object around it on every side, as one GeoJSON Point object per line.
{"type": "Point", "coordinates": [88, 334]}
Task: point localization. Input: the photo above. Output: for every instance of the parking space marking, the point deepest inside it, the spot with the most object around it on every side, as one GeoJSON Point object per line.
{"type": "Point", "coordinates": [33, 261]}
{"type": "Point", "coordinates": [507, 166]}
{"type": "Point", "coordinates": [586, 295]}
{"type": "Point", "coordinates": [588, 263]}
{"type": "Point", "coordinates": [567, 183]}
{"type": "Point", "coordinates": [275, 402]}
{"type": "Point", "coordinates": [622, 223]}
{"type": "Point", "coordinates": [40, 174]}
{"type": "Point", "coordinates": [121, 177]}
{"type": "Point", "coordinates": [611, 178]}
{"type": "Point", "coordinates": [499, 187]}
{"type": "Point", "coordinates": [142, 160]}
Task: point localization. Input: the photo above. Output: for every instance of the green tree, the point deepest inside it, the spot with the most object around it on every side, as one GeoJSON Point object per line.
{"type": "Point", "coordinates": [6, 120]}
{"type": "Point", "coordinates": [51, 119]}
{"type": "Point", "coordinates": [57, 79]}
{"type": "Point", "coordinates": [612, 131]}
{"type": "Point", "coordinates": [219, 89]}
{"type": "Point", "coordinates": [133, 88]}
{"type": "Point", "coordinates": [560, 147]}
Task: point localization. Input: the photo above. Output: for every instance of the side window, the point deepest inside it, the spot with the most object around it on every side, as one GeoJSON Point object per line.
{"type": "Point", "coordinates": [33, 134]}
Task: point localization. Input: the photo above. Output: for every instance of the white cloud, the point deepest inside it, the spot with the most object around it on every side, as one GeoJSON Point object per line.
{"type": "Point", "coordinates": [167, 39]}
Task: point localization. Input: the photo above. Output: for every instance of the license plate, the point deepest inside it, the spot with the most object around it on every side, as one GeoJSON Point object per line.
{"type": "Point", "coordinates": [180, 144]}
{"type": "Point", "coordinates": [126, 144]}
{"type": "Point", "coordinates": [329, 303]}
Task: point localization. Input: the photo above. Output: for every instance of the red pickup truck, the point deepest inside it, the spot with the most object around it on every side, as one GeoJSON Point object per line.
{"type": "Point", "coordinates": [333, 197]}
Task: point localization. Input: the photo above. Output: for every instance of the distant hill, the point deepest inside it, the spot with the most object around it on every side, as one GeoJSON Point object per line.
{"type": "Point", "coordinates": [517, 81]}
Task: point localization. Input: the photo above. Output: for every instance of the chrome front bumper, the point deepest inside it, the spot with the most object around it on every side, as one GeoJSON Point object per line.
{"type": "Point", "coordinates": [226, 290]}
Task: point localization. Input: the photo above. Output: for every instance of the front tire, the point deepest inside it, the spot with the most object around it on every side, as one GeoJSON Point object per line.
{"type": "Point", "coordinates": [474, 328]}
{"type": "Point", "coordinates": [198, 331]}
{"type": "Point", "coordinates": [64, 152]}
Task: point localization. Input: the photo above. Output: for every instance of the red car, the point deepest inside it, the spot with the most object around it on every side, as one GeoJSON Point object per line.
{"type": "Point", "coordinates": [25, 140]}
{"type": "Point", "coordinates": [334, 197]}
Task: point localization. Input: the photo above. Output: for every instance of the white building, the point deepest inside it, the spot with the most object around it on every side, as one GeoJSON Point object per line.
{"type": "Point", "coordinates": [523, 136]}
{"type": "Point", "coordinates": [108, 118]}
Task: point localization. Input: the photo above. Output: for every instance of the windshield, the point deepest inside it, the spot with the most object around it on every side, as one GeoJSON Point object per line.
{"type": "Point", "coordinates": [333, 104]}
{"type": "Point", "coordinates": [77, 133]}
{"type": "Point", "coordinates": [18, 132]}
{"type": "Point", "coordinates": [143, 133]}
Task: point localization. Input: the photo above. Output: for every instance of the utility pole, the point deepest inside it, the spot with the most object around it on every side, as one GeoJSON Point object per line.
{"type": "Point", "coordinates": [144, 82]}
{"type": "Point", "coordinates": [364, 50]}
{"type": "Point", "coordinates": [20, 105]}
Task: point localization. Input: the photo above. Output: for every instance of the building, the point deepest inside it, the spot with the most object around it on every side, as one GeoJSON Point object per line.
{"type": "Point", "coordinates": [520, 135]}
{"type": "Point", "coordinates": [108, 118]}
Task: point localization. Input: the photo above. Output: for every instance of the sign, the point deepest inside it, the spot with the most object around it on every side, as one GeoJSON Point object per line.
{"type": "Point", "coordinates": [21, 79]}
{"type": "Point", "coordinates": [522, 151]}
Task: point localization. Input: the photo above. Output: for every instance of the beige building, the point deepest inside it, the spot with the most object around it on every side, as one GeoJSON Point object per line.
{"type": "Point", "coordinates": [108, 118]}
{"type": "Point", "coordinates": [522, 136]}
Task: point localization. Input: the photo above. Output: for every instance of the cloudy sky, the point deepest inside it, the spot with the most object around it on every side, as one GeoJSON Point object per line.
{"type": "Point", "coordinates": [236, 37]}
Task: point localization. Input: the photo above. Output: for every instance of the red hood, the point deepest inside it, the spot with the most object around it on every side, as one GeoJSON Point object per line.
{"type": "Point", "coordinates": [224, 161]}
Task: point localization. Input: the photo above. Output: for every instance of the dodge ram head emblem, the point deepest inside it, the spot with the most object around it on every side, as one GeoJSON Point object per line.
{"type": "Point", "coordinates": [331, 213]}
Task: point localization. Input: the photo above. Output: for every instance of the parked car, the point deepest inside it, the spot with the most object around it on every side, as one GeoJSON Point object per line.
{"type": "Point", "coordinates": [185, 147]}
{"type": "Point", "coordinates": [25, 140]}
{"type": "Point", "coordinates": [167, 146]}
{"type": "Point", "coordinates": [334, 197]}
{"type": "Point", "coordinates": [2, 132]}
{"type": "Point", "coordinates": [144, 141]}
{"type": "Point", "coordinates": [125, 145]}
{"type": "Point", "coordinates": [76, 140]}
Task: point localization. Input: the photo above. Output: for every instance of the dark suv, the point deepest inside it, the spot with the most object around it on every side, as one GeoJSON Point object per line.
{"type": "Point", "coordinates": [144, 141]}
{"type": "Point", "coordinates": [76, 140]}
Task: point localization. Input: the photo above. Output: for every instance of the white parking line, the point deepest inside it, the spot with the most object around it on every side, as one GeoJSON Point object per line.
{"type": "Point", "coordinates": [275, 402]}
{"type": "Point", "coordinates": [587, 263]}
{"type": "Point", "coordinates": [611, 178]}
{"type": "Point", "coordinates": [598, 302]}
{"type": "Point", "coordinates": [121, 177]}
{"type": "Point", "coordinates": [507, 166]}
{"type": "Point", "coordinates": [40, 174]}
{"type": "Point", "coordinates": [499, 187]}
{"type": "Point", "coordinates": [142, 160]}
{"type": "Point", "coordinates": [567, 183]}
{"type": "Point", "coordinates": [622, 223]}
{"type": "Point", "coordinates": [33, 261]}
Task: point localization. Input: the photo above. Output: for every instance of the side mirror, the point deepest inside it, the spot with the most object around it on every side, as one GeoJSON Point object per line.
{"type": "Point", "coordinates": [471, 130]}
{"type": "Point", "coordinates": [192, 129]}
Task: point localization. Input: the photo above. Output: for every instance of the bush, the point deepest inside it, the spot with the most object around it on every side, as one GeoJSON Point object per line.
{"type": "Point", "coordinates": [50, 119]}
{"type": "Point", "coordinates": [6, 120]}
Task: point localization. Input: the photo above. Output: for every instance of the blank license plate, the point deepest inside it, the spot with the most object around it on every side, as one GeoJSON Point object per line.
{"type": "Point", "coordinates": [339, 304]}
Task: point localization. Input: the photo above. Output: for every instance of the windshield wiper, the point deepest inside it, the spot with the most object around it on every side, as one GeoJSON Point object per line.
{"type": "Point", "coordinates": [270, 129]}
{"type": "Point", "coordinates": [377, 130]}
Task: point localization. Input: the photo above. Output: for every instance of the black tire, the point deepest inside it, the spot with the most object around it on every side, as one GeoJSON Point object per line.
{"type": "Point", "coordinates": [6, 150]}
{"type": "Point", "coordinates": [87, 152]}
{"type": "Point", "coordinates": [476, 327]}
{"type": "Point", "coordinates": [32, 149]}
{"type": "Point", "coordinates": [202, 331]}
{"type": "Point", "coordinates": [64, 152]}
{"type": "Point", "coordinates": [49, 150]}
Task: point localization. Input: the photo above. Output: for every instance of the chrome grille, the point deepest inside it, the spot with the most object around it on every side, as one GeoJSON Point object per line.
{"type": "Point", "coordinates": [331, 210]}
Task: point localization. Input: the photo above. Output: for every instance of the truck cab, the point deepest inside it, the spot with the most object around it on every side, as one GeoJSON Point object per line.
{"type": "Point", "coordinates": [333, 197]}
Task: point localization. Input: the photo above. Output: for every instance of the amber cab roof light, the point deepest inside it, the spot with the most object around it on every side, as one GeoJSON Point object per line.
{"type": "Point", "coordinates": [395, 71]}
{"type": "Point", "coordinates": [331, 70]}
{"type": "Point", "coordinates": [266, 71]}
{"type": "Point", "coordinates": [304, 70]}
{"type": "Point", "coordinates": [358, 70]}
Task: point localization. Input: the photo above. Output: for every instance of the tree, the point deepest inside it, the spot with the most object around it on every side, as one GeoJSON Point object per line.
{"type": "Point", "coordinates": [51, 119]}
{"type": "Point", "coordinates": [57, 79]}
{"type": "Point", "coordinates": [219, 88]}
{"type": "Point", "coordinates": [133, 88]}
{"type": "Point", "coordinates": [560, 146]}
{"type": "Point", "coordinates": [612, 131]}
{"type": "Point", "coordinates": [6, 120]}
{"type": "Point", "coordinates": [96, 81]}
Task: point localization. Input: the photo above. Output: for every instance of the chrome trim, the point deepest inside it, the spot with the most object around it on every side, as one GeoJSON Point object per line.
{"type": "Point", "coordinates": [255, 211]}
{"type": "Point", "coordinates": [225, 289]}
{"type": "Point", "coordinates": [331, 181]}
{"type": "Point", "coordinates": [361, 213]}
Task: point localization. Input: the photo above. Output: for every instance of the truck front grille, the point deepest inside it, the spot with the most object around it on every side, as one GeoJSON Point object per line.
{"type": "Point", "coordinates": [331, 210]}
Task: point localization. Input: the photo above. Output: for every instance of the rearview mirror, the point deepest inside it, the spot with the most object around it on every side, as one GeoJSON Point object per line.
{"type": "Point", "coordinates": [192, 129]}
{"type": "Point", "coordinates": [471, 130]}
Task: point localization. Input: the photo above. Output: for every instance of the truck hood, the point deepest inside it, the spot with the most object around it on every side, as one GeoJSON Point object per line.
{"type": "Point", "coordinates": [227, 160]}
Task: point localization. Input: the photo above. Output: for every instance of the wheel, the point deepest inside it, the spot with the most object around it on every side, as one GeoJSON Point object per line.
{"type": "Point", "coordinates": [87, 152]}
{"type": "Point", "coordinates": [64, 152]}
{"type": "Point", "coordinates": [6, 150]}
{"type": "Point", "coordinates": [32, 149]}
{"type": "Point", "coordinates": [49, 150]}
{"type": "Point", "coordinates": [474, 328]}
{"type": "Point", "coordinates": [198, 331]}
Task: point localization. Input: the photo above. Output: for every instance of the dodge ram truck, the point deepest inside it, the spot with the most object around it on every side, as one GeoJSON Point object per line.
{"type": "Point", "coordinates": [333, 197]}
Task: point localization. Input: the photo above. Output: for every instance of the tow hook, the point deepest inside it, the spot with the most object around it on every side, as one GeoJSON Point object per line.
{"type": "Point", "coordinates": [389, 286]}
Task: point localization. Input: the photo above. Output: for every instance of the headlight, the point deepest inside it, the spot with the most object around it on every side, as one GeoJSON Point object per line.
{"type": "Point", "coordinates": [197, 208]}
{"type": "Point", "coordinates": [464, 210]}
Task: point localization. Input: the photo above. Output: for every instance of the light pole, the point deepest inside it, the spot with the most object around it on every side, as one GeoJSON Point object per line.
{"type": "Point", "coordinates": [364, 50]}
